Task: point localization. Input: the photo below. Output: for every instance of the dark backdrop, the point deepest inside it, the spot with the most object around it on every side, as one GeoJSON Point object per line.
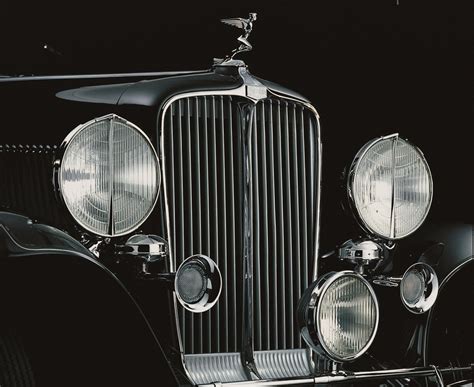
{"type": "Point", "coordinates": [370, 68]}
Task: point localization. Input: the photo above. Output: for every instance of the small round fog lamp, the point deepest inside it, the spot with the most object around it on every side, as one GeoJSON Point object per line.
{"type": "Point", "coordinates": [419, 288]}
{"type": "Point", "coordinates": [198, 283]}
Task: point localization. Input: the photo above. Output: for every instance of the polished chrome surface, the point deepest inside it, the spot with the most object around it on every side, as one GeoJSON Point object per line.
{"type": "Point", "coordinates": [314, 330]}
{"type": "Point", "coordinates": [254, 89]}
{"type": "Point", "coordinates": [198, 271]}
{"type": "Point", "coordinates": [348, 377]}
{"type": "Point", "coordinates": [149, 247]}
{"type": "Point", "coordinates": [228, 367]}
{"type": "Point", "coordinates": [419, 288]}
{"type": "Point", "coordinates": [279, 364]}
{"type": "Point", "coordinates": [215, 367]}
{"type": "Point", "coordinates": [361, 251]}
{"type": "Point", "coordinates": [246, 25]}
{"type": "Point", "coordinates": [212, 211]}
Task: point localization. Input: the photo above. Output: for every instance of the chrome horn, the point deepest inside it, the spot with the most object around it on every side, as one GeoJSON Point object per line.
{"type": "Point", "coordinates": [419, 288]}
{"type": "Point", "coordinates": [198, 283]}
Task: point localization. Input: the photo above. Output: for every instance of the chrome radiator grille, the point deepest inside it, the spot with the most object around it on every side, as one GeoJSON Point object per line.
{"type": "Point", "coordinates": [203, 161]}
{"type": "Point", "coordinates": [283, 177]}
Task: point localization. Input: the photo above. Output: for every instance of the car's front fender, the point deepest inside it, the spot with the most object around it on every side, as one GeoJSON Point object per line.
{"type": "Point", "coordinates": [79, 324]}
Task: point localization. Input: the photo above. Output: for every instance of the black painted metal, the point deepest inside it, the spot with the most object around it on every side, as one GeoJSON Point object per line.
{"type": "Point", "coordinates": [26, 173]}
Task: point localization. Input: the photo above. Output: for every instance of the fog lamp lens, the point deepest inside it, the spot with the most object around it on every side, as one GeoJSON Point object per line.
{"type": "Point", "coordinates": [419, 288]}
{"type": "Point", "coordinates": [412, 287]}
{"type": "Point", "coordinates": [198, 283]}
{"type": "Point", "coordinates": [192, 283]}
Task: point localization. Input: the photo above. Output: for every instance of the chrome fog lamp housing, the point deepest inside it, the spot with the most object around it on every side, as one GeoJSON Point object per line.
{"type": "Point", "coordinates": [338, 316]}
{"type": "Point", "coordinates": [419, 288]}
{"type": "Point", "coordinates": [198, 283]}
{"type": "Point", "coordinates": [108, 175]}
{"type": "Point", "coordinates": [390, 187]}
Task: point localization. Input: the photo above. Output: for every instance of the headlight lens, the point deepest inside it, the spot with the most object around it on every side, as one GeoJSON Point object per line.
{"type": "Point", "coordinates": [338, 315]}
{"type": "Point", "coordinates": [109, 176]}
{"type": "Point", "coordinates": [391, 187]}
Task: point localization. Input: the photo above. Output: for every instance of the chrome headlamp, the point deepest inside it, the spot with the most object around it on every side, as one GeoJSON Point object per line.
{"type": "Point", "coordinates": [108, 176]}
{"type": "Point", "coordinates": [390, 187]}
{"type": "Point", "coordinates": [338, 316]}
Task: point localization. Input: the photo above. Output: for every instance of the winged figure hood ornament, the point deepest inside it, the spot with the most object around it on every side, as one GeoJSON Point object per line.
{"type": "Point", "coordinates": [246, 25]}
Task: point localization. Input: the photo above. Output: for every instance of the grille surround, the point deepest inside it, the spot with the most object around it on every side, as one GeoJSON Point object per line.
{"type": "Point", "coordinates": [240, 160]}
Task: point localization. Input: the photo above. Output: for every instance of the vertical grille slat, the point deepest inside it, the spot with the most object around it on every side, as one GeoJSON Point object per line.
{"type": "Point", "coordinates": [233, 228]}
{"type": "Point", "coordinates": [207, 210]}
{"type": "Point", "coordinates": [197, 230]}
{"type": "Point", "coordinates": [188, 195]}
{"type": "Point", "coordinates": [303, 202]}
{"type": "Point", "coordinates": [214, 253]}
{"type": "Point", "coordinates": [223, 316]}
{"type": "Point", "coordinates": [287, 200]}
{"type": "Point", "coordinates": [180, 203]}
{"type": "Point", "coordinates": [256, 231]}
{"type": "Point", "coordinates": [203, 148]}
{"type": "Point", "coordinates": [280, 221]}
{"type": "Point", "coordinates": [295, 211]}
{"type": "Point", "coordinates": [272, 220]}
{"type": "Point", "coordinates": [265, 326]}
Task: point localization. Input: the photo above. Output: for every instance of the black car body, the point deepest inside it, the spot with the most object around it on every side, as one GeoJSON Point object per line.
{"type": "Point", "coordinates": [241, 171]}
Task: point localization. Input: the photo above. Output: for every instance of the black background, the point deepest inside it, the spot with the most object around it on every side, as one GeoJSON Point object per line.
{"type": "Point", "coordinates": [370, 68]}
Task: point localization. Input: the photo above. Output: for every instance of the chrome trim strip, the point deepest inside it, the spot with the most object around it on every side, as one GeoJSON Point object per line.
{"type": "Point", "coordinates": [98, 76]}
{"type": "Point", "coordinates": [249, 119]}
{"type": "Point", "coordinates": [339, 377]}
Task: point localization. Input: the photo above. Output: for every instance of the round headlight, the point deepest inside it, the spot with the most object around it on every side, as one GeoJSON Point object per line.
{"type": "Point", "coordinates": [109, 176]}
{"type": "Point", "coordinates": [338, 315]}
{"type": "Point", "coordinates": [391, 187]}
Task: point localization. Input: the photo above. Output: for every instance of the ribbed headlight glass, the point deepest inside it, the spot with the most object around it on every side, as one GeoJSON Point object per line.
{"type": "Point", "coordinates": [109, 176]}
{"type": "Point", "coordinates": [347, 317]}
{"type": "Point", "coordinates": [391, 187]}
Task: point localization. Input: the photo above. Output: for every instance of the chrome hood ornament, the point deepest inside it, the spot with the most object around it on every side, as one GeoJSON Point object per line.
{"type": "Point", "coordinates": [246, 25]}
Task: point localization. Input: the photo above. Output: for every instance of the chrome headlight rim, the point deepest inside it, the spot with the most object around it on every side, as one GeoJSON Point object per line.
{"type": "Point", "coordinates": [57, 173]}
{"type": "Point", "coordinates": [309, 318]}
{"type": "Point", "coordinates": [350, 179]}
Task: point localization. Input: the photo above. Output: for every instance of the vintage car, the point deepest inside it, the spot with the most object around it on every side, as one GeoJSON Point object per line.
{"type": "Point", "coordinates": [163, 229]}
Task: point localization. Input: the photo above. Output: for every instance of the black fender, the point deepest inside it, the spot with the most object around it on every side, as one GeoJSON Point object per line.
{"type": "Point", "coordinates": [79, 324]}
{"type": "Point", "coordinates": [447, 247]}
{"type": "Point", "coordinates": [451, 248]}
{"type": "Point", "coordinates": [449, 335]}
